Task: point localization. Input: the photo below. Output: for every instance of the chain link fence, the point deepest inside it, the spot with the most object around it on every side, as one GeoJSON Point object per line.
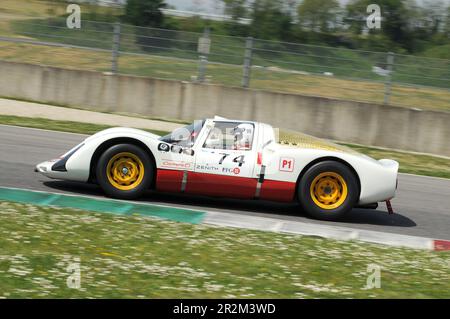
{"type": "Point", "coordinates": [380, 77]}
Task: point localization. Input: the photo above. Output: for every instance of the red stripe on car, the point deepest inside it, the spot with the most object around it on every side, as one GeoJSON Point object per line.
{"type": "Point", "coordinates": [168, 180]}
{"type": "Point", "coordinates": [220, 185]}
{"type": "Point", "coordinates": [224, 186]}
{"type": "Point", "coordinates": [277, 191]}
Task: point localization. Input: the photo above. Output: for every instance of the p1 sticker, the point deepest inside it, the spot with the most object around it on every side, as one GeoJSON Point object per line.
{"type": "Point", "coordinates": [286, 164]}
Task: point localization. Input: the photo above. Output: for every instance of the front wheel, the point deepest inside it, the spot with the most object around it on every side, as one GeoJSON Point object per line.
{"type": "Point", "coordinates": [328, 190]}
{"type": "Point", "coordinates": [124, 171]}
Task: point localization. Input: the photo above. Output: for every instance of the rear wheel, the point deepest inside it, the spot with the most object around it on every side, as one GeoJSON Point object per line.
{"type": "Point", "coordinates": [328, 190]}
{"type": "Point", "coordinates": [124, 171]}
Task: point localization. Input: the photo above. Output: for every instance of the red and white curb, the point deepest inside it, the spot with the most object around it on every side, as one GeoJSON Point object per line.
{"type": "Point", "coordinates": [325, 231]}
{"type": "Point", "coordinates": [439, 244]}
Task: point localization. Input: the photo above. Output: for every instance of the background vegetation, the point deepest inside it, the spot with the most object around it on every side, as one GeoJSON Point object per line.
{"type": "Point", "coordinates": [407, 27]}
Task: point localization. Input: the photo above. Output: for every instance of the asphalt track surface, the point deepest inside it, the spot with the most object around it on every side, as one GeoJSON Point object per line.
{"type": "Point", "coordinates": [422, 204]}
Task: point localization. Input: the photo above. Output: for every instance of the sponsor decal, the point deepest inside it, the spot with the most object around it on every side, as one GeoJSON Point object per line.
{"type": "Point", "coordinates": [235, 171]}
{"type": "Point", "coordinates": [174, 164]}
{"type": "Point", "coordinates": [206, 167]}
{"type": "Point", "coordinates": [162, 147]}
{"type": "Point", "coordinates": [286, 164]}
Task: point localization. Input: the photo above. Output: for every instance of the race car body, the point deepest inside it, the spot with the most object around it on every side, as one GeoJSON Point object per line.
{"type": "Point", "coordinates": [229, 158]}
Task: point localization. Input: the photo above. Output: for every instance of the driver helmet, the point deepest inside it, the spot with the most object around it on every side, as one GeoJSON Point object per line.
{"type": "Point", "coordinates": [243, 134]}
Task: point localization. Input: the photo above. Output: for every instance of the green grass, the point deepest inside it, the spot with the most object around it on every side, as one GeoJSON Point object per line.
{"type": "Point", "coordinates": [441, 52]}
{"type": "Point", "coordinates": [64, 126]}
{"type": "Point", "coordinates": [140, 257]}
{"type": "Point", "coordinates": [409, 162]}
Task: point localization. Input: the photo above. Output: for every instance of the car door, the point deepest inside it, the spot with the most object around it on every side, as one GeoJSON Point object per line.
{"type": "Point", "coordinates": [224, 166]}
{"type": "Point", "coordinates": [176, 158]}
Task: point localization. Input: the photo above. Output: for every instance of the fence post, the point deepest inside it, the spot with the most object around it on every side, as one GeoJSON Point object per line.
{"type": "Point", "coordinates": [388, 82]}
{"type": "Point", "coordinates": [247, 62]}
{"type": "Point", "coordinates": [204, 47]}
{"type": "Point", "coordinates": [115, 48]}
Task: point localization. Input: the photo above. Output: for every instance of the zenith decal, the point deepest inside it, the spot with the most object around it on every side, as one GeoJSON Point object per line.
{"type": "Point", "coordinates": [206, 167]}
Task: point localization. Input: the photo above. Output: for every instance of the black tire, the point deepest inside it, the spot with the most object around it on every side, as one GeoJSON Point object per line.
{"type": "Point", "coordinates": [140, 187]}
{"type": "Point", "coordinates": [310, 205]}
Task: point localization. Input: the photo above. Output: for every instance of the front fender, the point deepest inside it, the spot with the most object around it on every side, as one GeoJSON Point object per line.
{"type": "Point", "coordinates": [78, 165]}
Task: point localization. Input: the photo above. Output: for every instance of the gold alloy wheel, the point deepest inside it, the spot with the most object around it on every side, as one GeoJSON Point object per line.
{"type": "Point", "coordinates": [328, 190]}
{"type": "Point", "coordinates": [125, 171]}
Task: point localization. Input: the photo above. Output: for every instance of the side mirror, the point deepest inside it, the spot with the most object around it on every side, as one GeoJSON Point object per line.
{"type": "Point", "coordinates": [176, 149]}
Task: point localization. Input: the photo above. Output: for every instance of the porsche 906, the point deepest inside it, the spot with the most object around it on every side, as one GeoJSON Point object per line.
{"type": "Point", "coordinates": [229, 158]}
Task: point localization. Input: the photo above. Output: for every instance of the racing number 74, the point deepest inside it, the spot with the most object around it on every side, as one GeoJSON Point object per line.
{"type": "Point", "coordinates": [239, 159]}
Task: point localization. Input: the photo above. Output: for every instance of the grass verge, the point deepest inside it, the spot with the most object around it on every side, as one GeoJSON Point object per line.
{"type": "Point", "coordinates": [141, 257]}
{"type": "Point", "coordinates": [63, 126]}
{"type": "Point", "coordinates": [409, 162]}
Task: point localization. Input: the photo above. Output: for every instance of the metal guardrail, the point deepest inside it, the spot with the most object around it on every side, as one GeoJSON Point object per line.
{"type": "Point", "coordinates": [311, 69]}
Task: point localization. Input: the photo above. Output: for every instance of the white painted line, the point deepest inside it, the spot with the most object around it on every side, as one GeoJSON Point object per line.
{"type": "Point", "coordinates": [326, 231]}
{"type": "Point", "coordinates": [239, 221]}
{"type": "Point", "coordinates": [396, 240]}
{"type": "Point", "coordinates": [277, 227]}
{"type": "Point", "coordinates": [310, 229]}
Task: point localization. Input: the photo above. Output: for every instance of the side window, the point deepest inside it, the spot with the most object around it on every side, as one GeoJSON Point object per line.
{"type": "Point", "coordinates": [230, 136]}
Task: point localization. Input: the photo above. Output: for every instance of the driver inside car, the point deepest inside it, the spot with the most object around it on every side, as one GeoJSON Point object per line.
{"type": "Point", "coordinates": [243, 134]}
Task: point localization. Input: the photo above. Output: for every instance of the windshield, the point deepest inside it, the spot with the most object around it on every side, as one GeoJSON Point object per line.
{"type": "Point", "coordinates": [184, 136]}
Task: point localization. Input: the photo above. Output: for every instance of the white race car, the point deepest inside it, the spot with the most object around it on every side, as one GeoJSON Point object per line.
{"type": "Point", "coordinates": [230, 158]}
